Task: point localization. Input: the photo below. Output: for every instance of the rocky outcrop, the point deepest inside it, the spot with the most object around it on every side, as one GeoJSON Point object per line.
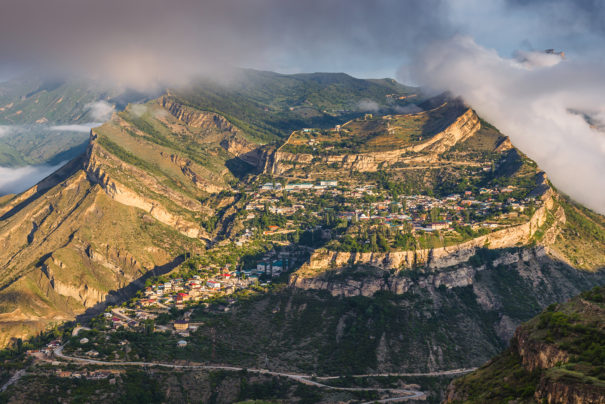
{"type": "Point", "coordinates": [552, 391]}
{"type": "Point", "coordinates": [536, 354]}
{"type": "Point", "coordinates": [435, 258]}
{"type": "Point", "coordinates": [196, 118]}
{"type": "Point", "coordinates": [124, 195]}
{"type": "Point", "coordinates": [544, 359]}
{"type": "Point", "coordinates": [462, 128]}
{"type": "Point", "coordinates": [344, 283]}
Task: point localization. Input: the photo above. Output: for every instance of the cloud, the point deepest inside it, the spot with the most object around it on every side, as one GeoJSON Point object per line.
{"type": "Point", "coordinates": [158, 41]}
{"type": "Point", "coordinates": [368, 106]}
{"type": "Point", "coordinates": [533, 59]}
{"type": "Point", "coordinates": [408, 109]}
{"type": "Point", "coordinates": [100, 110]}
{"type": "Point", "coordinates": [138, 109]}
{"type": "Point", "coordinates": [6, 130]}
{"type": "Point", "coordinates": [86, 127]}
{"type": "Point", "coordinates": [15, 180]}
{"type": "Point", "coordinates": [532, 103]}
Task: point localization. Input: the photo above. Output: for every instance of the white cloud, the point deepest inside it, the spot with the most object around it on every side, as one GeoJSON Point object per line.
{"type": "Point", "coordinates": [86, 127]}
{"type": "Point", "coordinates": [138, 109]}
{"type": "Point", "coordinates": [6, 130]}
{"type": "Point", "coordinates": [15, 180]}
{"type": "Point", "coordinates": [368, 105]}
{"type": "Point", "coordinates": [100, 110]}
{"type": "Point", "coordinates": [532, 104]}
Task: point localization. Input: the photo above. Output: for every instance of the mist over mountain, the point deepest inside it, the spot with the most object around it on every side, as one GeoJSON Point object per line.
{"type": "Point", "coordinates": [302, 201]}
{"type": "Point", "coordinates": [118, 43]}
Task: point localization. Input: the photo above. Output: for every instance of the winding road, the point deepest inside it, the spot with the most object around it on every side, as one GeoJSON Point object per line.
{"type": "Point", "coordinates": [400, 394]}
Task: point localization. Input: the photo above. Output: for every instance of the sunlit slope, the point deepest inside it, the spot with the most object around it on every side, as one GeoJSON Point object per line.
{"type": "Point", "coordinates": [129, 205]}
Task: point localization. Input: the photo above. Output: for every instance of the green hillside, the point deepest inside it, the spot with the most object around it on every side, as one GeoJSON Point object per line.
{"type": "Point", "coordinates": [556, 357]}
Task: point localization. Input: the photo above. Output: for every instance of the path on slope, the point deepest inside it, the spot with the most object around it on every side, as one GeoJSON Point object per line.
{"type": "Point", "coordinates": [18, 375]}
{"type": "Point", "coordinates": [401, 394]}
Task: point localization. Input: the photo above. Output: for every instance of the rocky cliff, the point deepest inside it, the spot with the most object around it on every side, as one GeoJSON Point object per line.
{"type": "Point", "coordinates": [553, 358]}
{"type": "Point", "coordinates": [90, 233]}
{"type": "Point", "coordinates": [462, 128]}
{"type": "Point", "coordinates": [309, 276]}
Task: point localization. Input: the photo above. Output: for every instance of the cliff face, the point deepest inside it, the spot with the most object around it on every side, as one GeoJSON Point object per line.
{"type": "Point", "coordinates": [309, 276]}
{"type": "Point", "coordinates": [89, 234]}
{"type": "Point", "coordinates": [547, 359]}
{"type": "Point", "coordinates": [98, 157]}
{"type": "Point", "coordinates": [462, 128]}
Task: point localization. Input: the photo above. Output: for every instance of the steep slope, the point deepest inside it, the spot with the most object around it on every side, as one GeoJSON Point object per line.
{"type": "Point", "coordinates": [129, 206]}
{"type": "Point", "coordinates": [183, 173]}
{"type": "Point", "coordinates": [557, 357]}
{"type": "Point", "coordinates": [269, 106]}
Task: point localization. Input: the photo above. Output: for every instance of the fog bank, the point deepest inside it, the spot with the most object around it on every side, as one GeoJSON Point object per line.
{"type": "Point", "coordinates": [16, 180]}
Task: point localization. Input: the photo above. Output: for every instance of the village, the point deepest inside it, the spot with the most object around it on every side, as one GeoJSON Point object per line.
{"type": "Point", "coordinates": [274, 212]}
{"type": "Point", "coordinates": [486, 208]}
{"type": "Point", "coordinates": [180, 292]}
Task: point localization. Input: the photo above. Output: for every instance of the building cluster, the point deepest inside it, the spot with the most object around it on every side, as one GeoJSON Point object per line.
{"type": "Point", "coordinates": [178, 292]}
{"type": "Point", "coordinates": [90, 375]}
{"type": "Point", "coordinates": [367, 202]}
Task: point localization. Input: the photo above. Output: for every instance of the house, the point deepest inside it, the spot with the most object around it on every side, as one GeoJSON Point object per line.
{"type": "Point", "coordinates": [296, 186]}
{"type": "Point", "coordinates": [63, 373]}
{"type": "Point", "coordinates": [439, 225]}
{"type": "Point", "coordinates": [213, 284]}
{"type": "Point", "coordinates": [181, 344]}
{"type": "Point", "coordinates": [181, 325]}
{"type": "Point", "coordinates": [183, 296]}
{"type": "Point", "coordinates": [84, 340]}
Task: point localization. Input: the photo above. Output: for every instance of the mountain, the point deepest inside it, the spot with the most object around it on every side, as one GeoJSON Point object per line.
{"type": "Point", "coordinates": [556, 357]}
{"type": "Point", "coordinates": [142, 177]}
{"type": "Point", "coordinates": [45, 119]}
{"type": "Point", "coordinates": [413, 237]}
{"type": "Point", "coordinates": [41, 115]}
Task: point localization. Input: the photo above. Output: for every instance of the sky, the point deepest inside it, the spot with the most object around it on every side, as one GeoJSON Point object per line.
{"type": "Point", "coordinates": [488, 52]}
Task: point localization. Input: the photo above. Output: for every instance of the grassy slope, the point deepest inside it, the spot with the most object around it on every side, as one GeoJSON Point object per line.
{"type": "Point", "coordinates": [582, 239]}
{"type": "Point", "coordinates": [268, 106]}
{"type": "Point", "coordinates": [574, 327]}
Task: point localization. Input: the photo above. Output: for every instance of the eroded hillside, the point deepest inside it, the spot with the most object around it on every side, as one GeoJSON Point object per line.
{"type": "Point", "coordinates": [88, 234]}
{"type": "Point", "coordinates": [424, 211]}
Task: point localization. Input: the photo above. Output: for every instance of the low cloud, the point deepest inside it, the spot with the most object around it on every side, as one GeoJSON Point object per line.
{"type": "Point", "coordinates": [368, 106]}
{"type": "Point", "coordinates": [100, 110]}
{"type": "Point", "coordinates": [138, 109]}
{"type": "Point", "coordinates": [15, 180]}
{"type": "Point", "coordinates": [532, 102]}
{"type": "Point", "coordinates": [169, 41]}
{"type": "Point", "coordinates": [86, 127]}
{"type": "Point", "coordinates": [6, 130]}
{"type": "Point", "coordinates": [408, 109]}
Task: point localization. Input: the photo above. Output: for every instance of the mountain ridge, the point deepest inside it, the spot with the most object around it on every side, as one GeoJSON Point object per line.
{"type": "Point", "coordinates": [153, 178]}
